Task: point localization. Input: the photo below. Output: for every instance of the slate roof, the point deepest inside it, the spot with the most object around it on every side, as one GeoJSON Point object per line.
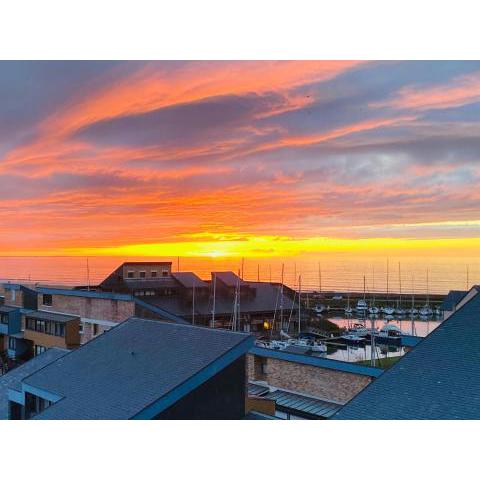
{"type": "Point", "coordinates": [83, 293]}
{"type": "Point", "coordinates": [438, 379]}
{"type": "Point", "coordinates": [189, 279]}
{"type": "Point", "coordinates": [453, 297]}
{"type": "Point", "coordinates": [13, 378]}
{"type": "Point", "coordinates": [135, 364]}
{"type": "Point", "coordinates": [55, 317]}
{"type": "Point", "coordinates": [7, 309]}
{"type": "Point", "coordinates": [265, 299]}
{"type": "Point", "coordinates": [228, 278]}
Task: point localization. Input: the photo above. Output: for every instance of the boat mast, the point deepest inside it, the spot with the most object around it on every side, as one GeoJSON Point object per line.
{"type": "Point", "coordinates": [373, 284]}
{"type": "Point", "coordinates": [214, 292]}
{"type": "Point", "coordinates": [467, 279]}
{"type": "Point", "coordinates": [320, 277]}
{"type": "Point", "coordinates": [281, 297]}
{"type": "Point", "coordinates": [193, 304]}
{"type": "Point", "coordinates": [364, 299]}
{"type": "Point", "coordinates": [428, 292]}
{"type": "Point", "coordinates": [413, 306]}
{"type": "Point", "coordinates": [299, 301]}
{"type": "Point", "coordinates": [387, 282]}
{"type": "Point", "coordinates": [400, 284]}
{"type": "Point", "coordinates": [88, 276]}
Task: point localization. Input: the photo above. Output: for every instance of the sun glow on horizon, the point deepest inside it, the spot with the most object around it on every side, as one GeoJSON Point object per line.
{"type": "Point", "coordinates": [271, 246]}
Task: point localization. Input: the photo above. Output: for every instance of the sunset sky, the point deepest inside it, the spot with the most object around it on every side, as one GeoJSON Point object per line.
{"type": "Point", "coordinates": [238, 158]}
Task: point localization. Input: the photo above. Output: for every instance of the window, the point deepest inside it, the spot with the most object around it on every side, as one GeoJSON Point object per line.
{"type": "Point", "coordinates": [143, 274]}
{"type": "Point", "coordinates": [30, 323]}
{"type": "Point", "coordinates": [130, 274]}
{"type": "Point", "coordinates": [11, 343]}
{"type": "Point", "coordinates": [153, 274]}
{"type": "Point", "coordinates": [39, 349]}
{"type": "Point", "coordinates": [59, 330]}
{"type": "Point", "coordinates": [47, 299]}
{"type": "Point", "coordinates": [14, 295]}
{"type": "Point", "coordinates": [164, 273]}
{"type": "Point", "coordinates": [50, 328]}
{"type": "Point", "coordinates": [40, 326]}
{"type": "Point", "coordinates": [4, 318]}
{"type": "Point", "coordinates": [95, 329]}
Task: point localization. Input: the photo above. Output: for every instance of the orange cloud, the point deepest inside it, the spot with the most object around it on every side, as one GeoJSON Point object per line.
{"type": "Point", "coordinates": [151, 89]}
{"type": "Point", "coordinates": [461, 91]}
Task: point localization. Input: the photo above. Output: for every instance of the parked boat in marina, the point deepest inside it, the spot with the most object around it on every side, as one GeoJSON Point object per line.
{"type": "Point", "coordinates": [426, 311]}
{"type": "Point", "coordinates": [362, 305]}
{"type": "Point", "coordinates": [389, 333]}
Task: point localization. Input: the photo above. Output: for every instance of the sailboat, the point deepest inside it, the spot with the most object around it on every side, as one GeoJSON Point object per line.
{"type": "Point", "coordinates": [373, 310]}
{"type": "Point", "coordinates": [348, 308]}
{"type": "Point", "coordinates": [412, 311]}
{"type": "Point", "coordinates": [426, 311]}
{"type": "Point", "coordinates": [399, 310]}
{"type": "Point", "coordinates": [387, 310]}
{"type": "Point", "coordinates": [362, 306]}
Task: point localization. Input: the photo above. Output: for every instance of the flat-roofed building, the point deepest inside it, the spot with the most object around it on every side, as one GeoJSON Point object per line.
{"type": "Point", "coordinates": [207, 302]}
{"type": "Point", "coordinates": [46, 329]}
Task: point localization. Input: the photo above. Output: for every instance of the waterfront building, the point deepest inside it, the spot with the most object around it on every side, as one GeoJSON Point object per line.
{"type": "Point", "coordinates": [202, 302]}
{"type": "Point", "coordinates": [438, 379]}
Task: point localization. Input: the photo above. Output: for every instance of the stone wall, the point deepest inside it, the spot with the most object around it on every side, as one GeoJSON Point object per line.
{"type": "Point", "coordinates": [87, 307]}
{"type": "Point", "coordinates": [328, 384]}
{"type": "Point", "coordinates": [12, 297]}
{"type": "Point", "coordinates": [91, 311]}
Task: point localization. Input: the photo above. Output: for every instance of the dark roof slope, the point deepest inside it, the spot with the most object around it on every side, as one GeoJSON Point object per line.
{"type": "Point", "coordinates": [438, 379]}
{"type": "Point", "coordinates": [136, 364]}
{"type": "Point", "coordinates": [265, 299]}
{"type": "Point", "coordinates": [228, 278]}
{"type": "Point", "coordinates": [453, 297]}
{"type": "Point", "coordinates": [55, 317]}
{"type": "Point", "coordinates": [13, 378]}
{"type": "Point", "coordinates": [189, 279]}
{"type": "Point", "coordinates": [84, 293]}
{"type": "Point", "coordinates": [7, 309]}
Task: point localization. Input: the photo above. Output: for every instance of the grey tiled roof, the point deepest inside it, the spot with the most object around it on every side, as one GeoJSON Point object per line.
{"type": "Point", "coordinates": [121, 372]}
{"type": "Point", "coordinates": [189, 279]}
{"type": "Point", "coordinates": [228, 278]}
{"type": "Point", "coordinates": [56, 317]}
{"type": "Point", "coordinates": [438, 379]}
{"type": "Point", "coordinates": [265, 299]}
{"type": "Point", "coordinates": [7, 309]}
{"type": "Point", "coordinates": [13, 378]}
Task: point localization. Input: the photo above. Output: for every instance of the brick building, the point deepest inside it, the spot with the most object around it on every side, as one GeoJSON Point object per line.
{"type": "Point", "coordinates": [202, 302]}
{"type": "Point", "coordinates": [314, 382]}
